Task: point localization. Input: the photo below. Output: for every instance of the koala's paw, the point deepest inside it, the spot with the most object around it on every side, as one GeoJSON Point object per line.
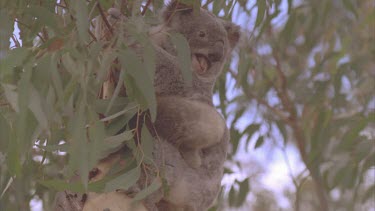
{"type": "Point", "coordinates": [192, 157]}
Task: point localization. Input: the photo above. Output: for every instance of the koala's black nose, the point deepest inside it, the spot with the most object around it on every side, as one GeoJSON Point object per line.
{"type": "Point", "coordinates": [217, 52]}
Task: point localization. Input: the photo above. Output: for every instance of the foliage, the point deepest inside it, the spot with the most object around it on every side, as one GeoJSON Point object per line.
{"type": "Point", "coordinates": [303, 72]}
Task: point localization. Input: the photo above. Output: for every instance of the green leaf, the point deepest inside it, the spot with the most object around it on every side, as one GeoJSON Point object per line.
{"type": "Point", "coordinates": [44, 16]}
{"type": "Point", "coordinates": [217, 6]}
{"type": "Point", "coordinates": [259, 142]}
{"type": "Point", "coordinates": [56, 78]}
{"type": "Point", "coordinates": [350, 6]}
{"type": "Point", "coordinates": [123, 181]}
{"type": "Point", "coordinates": [353, 134]}
{"type": "Point", "coordinates": [287, 32]}
{"type": "Point", "coordinates": [183, 56]}
{"type": "Point", "coordinates": [283, 131]}
{"type": "Point", "coordinates": [78, 150]}
{"type": "Point", "coordinates": [96, 144]}
{"type": "Point", "coordinates": [130, 107]}
{"type": "Point", "coordinates": [262, 6]}
{"type": "Point", "coordinates": [232, 197]}
{"type": "Point", "coordinates": [53, 148]}
{"type": "Point", "coordinates": [11, 96]}
{"type": "Point", "coordinates": [147, 142]}
{"type": "Point", "coordinates": [13, 156]}
{"type": "Point", "coordinates": [118, 105]}
{"type": "Point", "coordinates": [113, 143]}
{"type": "Point", "coordinates": [36, 107]}
{"type": "Point", "coordinates": [6, 26]}
{"type": "Point", "coordinates": [141, 80]}
{"type": "Point", "coordinates": [82, 21]}
{"type": "Point", "coordinates": [119, 123]}
{"type": "Point", "coordinates": [251, 129]}
{"type": "Point", "coordinates": [15, 57]}
{"type": "Point", "coordinates": [4, 132]}
{"type": "Point", "coordinates": [155, 185]}
{"type": "Point", "coordinates": [105, 64]}
{"type": "Point", "coordinates": [244, 190]}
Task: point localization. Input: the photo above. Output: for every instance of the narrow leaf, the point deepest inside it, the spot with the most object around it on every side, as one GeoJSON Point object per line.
{"type": "Point", "coordinates": [124, 181]}
{"type": "Point", "coordinates": [183, 56]}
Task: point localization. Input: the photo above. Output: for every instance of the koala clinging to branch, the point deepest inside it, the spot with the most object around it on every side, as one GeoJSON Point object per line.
{"type": "Point", "coordinates": [186, 116]}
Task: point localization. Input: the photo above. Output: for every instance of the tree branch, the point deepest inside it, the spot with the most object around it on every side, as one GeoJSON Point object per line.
{"type": "Point", "coordinates": [263, 102]}
{"type": "Point", "coordinates": [146, 7]}
{"type": "Point", "coordinates": [282, 93]}
{"type": "Point", "coordinates": [104, 17]}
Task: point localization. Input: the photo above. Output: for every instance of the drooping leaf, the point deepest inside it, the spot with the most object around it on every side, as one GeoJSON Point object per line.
{"type": "Point", "coordinates": [147, 142]}
{"type": "Point", "coordinates": [262, 6]}
{"type": "Point", "coordinates": [82, 23]}
{"type": "Point", "coordinates": [6, 27]}
{"type": "Point", "coordinates": [259, 142]}
{"type": "Point", "coordinates": [44, 16]}
{"type": "Point", "coordinates": [183, 56]}
{"type": "Point", "coordinates": [141, 79]}
{"type": "Point", "coordinates": [123, 181]}
{"type": "Point", "coordinates": [155, 185]}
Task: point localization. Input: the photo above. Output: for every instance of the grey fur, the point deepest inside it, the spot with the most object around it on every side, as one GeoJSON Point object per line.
{"type": "Point", "coordinates": [185, 111]}
{"type": "Point", "coordinates": [194, 136]}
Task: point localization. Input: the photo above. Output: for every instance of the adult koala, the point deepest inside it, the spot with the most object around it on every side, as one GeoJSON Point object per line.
{"type": "Point", "coordinates": [186, 116]}
{"type": "Point", "coordinates": [193, 136]}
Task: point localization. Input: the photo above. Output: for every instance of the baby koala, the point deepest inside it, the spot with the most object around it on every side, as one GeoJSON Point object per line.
{"type": "Point", "coordinates": [186, 116]}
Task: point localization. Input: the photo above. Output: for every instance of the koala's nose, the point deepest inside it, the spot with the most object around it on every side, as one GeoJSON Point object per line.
{"type": "Point", "coordinates": [217, 52]}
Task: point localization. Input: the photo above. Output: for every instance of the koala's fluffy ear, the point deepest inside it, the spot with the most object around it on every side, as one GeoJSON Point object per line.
{"type": "Point", "coordinates": [233, 32]}
{"type": "Point", "coordinates": [176, 6]}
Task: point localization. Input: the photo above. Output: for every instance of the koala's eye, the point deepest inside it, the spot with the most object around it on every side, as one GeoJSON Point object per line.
{"type": "Point", "coordinates": [201, 34]}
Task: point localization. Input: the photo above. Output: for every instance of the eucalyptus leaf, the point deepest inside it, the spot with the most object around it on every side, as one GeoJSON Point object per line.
{"type": "Point", "coordinates": [183, 56]}
{"type": "Point", "coordinates": [123, 181]}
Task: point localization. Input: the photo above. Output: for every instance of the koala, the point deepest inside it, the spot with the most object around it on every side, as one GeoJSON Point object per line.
{"type": "Point", "coordinates": [193, 136]}
{"type": "Point", "coordinates": [185, 113]}
{"type": "Point", "coordinates": [186, 118]}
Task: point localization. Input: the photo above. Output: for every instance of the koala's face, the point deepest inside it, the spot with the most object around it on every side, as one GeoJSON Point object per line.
{"type": "Point", "coordinates": [210, 38]}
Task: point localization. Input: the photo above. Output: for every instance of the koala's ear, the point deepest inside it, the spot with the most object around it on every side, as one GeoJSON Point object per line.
{"type": "Point", "coordinates": [233, 32]}
{"type": "Point", "coordinates": [176, 6]}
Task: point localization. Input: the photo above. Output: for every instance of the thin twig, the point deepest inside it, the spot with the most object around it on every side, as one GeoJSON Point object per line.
{"type": "Point", "coordinates": [276, 111]}
{"type": "Point", "coordinates": [145, 8]}
{"type": "Point", "coordinates": [104, 17]}
{"type": "Point", "coordinates": [4, 104]}
{"type": "Point", "coordinates": [60, 5]}
{"type": "Point", "coordinates": [282, 93]}
{"type": "Point", "coordinates": [16, 42]}
{"type": "Point", "coordinates": [19, 22]}
{"type": "Point", "coordinates": [92, 35]}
